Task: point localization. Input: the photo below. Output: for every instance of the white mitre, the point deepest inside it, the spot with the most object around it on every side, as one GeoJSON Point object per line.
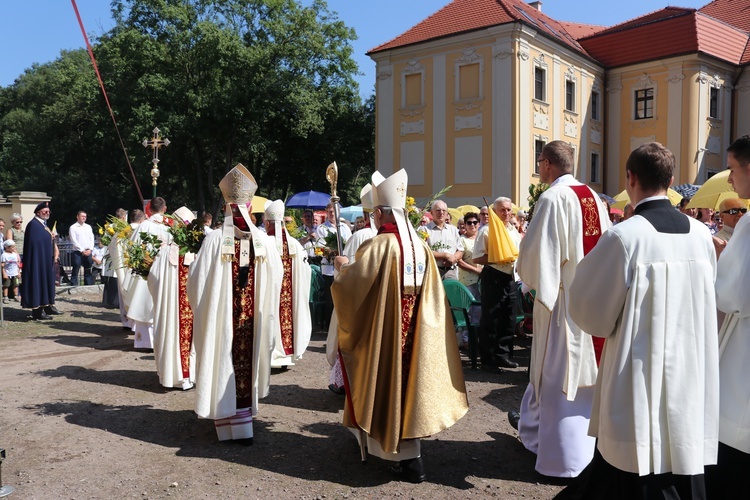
{"type": "Point", "coordinates": [391, 192]}
{"type": "Point", "coordinates": [238, 188]}
{"type": "Point", "coordinates": [184, 214]}
{"type": "Point", "coordinates": [274, 214]}
{"type": "Point", "coordinates": [365, 197]}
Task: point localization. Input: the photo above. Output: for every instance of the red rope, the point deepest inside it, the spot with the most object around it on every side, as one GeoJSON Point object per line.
{"type": "Point", "coordinates": [106, 98]}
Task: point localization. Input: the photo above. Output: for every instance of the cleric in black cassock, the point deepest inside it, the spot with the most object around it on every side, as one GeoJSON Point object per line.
{"type": "Point", "coordinates": [38, 284]}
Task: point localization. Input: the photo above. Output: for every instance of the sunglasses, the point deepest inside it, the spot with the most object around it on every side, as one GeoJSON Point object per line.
{"type": "Point", "coordinates": [735, 211]}
{"type": "Point", "coordinates": [472, 222]}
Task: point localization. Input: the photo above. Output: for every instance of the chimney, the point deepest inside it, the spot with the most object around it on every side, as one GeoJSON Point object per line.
{"type": "Point", "coordinates": [536, 5]}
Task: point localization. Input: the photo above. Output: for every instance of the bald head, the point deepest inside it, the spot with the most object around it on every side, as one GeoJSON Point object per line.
{"type": "Point", "coordinates": [731, 211]}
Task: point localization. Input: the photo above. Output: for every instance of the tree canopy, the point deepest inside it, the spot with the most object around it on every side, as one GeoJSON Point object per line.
{"type": "Point", "coordinates": [266, 83]}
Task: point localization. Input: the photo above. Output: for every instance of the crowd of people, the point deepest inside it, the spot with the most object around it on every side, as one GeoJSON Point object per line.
{"type": "Point", "coordinates": [636, 386]}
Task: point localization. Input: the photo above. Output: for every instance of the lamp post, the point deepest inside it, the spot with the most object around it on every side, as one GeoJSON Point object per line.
{"type": "Point", "coordinates": [155, 143]}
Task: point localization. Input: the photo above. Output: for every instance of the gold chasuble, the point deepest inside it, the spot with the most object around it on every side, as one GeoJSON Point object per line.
{"type": "Point", "coordinates": [186, 317]}
{"type": "Point", "coordinates": [401, 362]}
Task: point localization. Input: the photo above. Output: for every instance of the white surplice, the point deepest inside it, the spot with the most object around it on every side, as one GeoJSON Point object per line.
{"type": "Point", "coordinates": [140, 302]}
{"type": "Point", "coordinates": [733, 298]}
{"type": "Point", "coordinates": [557, 403]}
{"type": "Point", "coordinates": [650, 294]}
{"type": "Point", "coordinates": [210, 294]}
{"type": "Point", "coordinates": [301, 320]}
{"type": "Point", "coordinates": [164, 285]}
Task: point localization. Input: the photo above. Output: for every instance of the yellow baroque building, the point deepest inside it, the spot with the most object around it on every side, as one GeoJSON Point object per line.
{"type": "Point", "coordinates": [469, 96]}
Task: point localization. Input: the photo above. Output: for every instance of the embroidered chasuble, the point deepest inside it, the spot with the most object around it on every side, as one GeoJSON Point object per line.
{"type": "Point", "coordinates": [286, 303]}
{"type": "Point", "coordinates": [186, 318]}
{"type": "Point", "coordinates": [243, 314]}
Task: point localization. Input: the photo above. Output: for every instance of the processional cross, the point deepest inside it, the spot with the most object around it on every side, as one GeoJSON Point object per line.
{"type": "Point", "coordinates": [155, 143]}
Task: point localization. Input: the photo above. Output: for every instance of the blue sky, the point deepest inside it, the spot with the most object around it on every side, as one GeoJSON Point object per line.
{"type": "Point", "coordinates": [35, 31]}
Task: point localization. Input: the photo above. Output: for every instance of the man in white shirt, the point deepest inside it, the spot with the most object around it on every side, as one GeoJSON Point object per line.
{"type": "Point", "coordinates": [82, 240]}
{"type": "Point", "coordinates": [731, 211]}
{"type": "Point", "coordinates": [444, 241]}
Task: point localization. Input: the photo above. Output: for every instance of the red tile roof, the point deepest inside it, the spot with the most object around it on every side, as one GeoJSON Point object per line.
{"type": "Point", "coordinates": [735, 13]}
{"type": "Point", "coordinates": [666, 33]}
{"type": "Point", "coordinates": [719, 29]}
{"type": "Point", "coordinates": [462, 16]}
{"type": "Point", "coordinates": [580, 30]}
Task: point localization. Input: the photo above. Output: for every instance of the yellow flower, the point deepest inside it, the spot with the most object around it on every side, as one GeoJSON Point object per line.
{"type": "Point", "coordinates": [110, 230]}
{"type": "Point", "coordinates": [101, 231]}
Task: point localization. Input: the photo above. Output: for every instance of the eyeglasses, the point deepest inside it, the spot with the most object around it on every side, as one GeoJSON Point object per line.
{"type": "Point", "coordinates": [735, 211]}
{"type": "Point", "coordinates": [540, 160]}
{"type": "Point", "coordinates": [472, 222]}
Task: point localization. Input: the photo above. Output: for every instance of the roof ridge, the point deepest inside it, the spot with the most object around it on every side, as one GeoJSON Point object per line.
{"type": "Point", "coordinates": [627, 25]}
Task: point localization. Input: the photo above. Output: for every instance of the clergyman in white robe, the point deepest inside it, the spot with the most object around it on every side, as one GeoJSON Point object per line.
{"type": "Point", "coordinates": [210, 292]}
{"type": "Point", "coordinates": [163, 283]}
{"type": "Point", "coordinates": [557, 403]}
{"type": "Point", "coordinates": [648, 288]}
{"type": "Point", "coordinates": [140, 303]}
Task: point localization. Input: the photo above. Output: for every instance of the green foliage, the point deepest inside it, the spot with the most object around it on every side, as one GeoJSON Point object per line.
{"type": "Point", "coordinates": [266, 83]}
{"type": "Point", "coordinates": [188, 236]}
{"type": "Point", "coordinates": [535, 191]}
{"type": "Point", "coordinates": [139, 255]}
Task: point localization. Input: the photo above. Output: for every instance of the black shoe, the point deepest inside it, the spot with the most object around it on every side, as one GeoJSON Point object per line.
{"type": "Point", "coordinates": [513, 418]}
{"type": "Point", "coordinates": [492, 368]}
{"type": "Point", "coordinates": [410, 470]}
{"type": "Point", "coordinates": [505, 362]}
{"type": "Point", "coordinates": [340, 391]}
{"type": "Point", "coordinates": [51, 310]}
{"type": "Point", "coordinates": [38, 314]}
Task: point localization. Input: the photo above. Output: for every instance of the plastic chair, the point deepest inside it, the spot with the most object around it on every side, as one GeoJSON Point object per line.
{"type": "Point", "coordinates": [461, 300]}
{"type": "Point", "coordinates": [317, 294]}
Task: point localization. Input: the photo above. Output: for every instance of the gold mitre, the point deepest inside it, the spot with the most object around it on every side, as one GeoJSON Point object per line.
{"type": "Point", "coordinates": [274, 210]}
{"type": "Point", "coordinates": [184, 214]}
{"type": "Point", "coordinates": [390, 192]}
{"type": "Point", "coordinates": [238, 186]}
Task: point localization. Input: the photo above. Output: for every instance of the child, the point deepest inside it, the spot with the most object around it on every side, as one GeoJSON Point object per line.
{"type": "Point", "coordinates": [11, 271]}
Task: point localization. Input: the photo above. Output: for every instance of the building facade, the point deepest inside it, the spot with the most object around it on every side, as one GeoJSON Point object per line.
{"type": "Point", "coordinates": [470, 95]}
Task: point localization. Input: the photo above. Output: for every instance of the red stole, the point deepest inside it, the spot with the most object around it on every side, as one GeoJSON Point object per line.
{"type": "Point", "coordinates": [186, 317]}
{"type": "Point", "coordinates": [286, 304]}
{"type": "Point", "coordinates": [591, 233]}
{"type": "Point", "coordinates": [243, 322]}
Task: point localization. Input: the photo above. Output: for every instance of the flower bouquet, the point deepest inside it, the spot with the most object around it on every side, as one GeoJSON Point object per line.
{"type": "Point", "coordinates": [331, 247]}
{"type": "Point", "coordinates": [139, 255]}
{"type": "Point", "coordinates": [114, 228]}
{"type": "Point", "coordinates": [186, 235]}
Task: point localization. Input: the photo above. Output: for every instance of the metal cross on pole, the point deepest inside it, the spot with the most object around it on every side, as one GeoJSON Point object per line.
{"type": "Point", "coordinates": [155, 143]}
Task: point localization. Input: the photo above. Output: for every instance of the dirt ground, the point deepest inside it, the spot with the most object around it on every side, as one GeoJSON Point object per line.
{"type": "Point", "coordinates": [82, 415]}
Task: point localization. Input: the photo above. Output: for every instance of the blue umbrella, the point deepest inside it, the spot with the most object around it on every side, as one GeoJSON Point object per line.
{"type": "Point", "coordinates": [609, 199]}
{"type": "Point", "coordinates": [308, 199]}
{"type": "Point", "coordinates": [351, 213]}
{"type": "Point", "coordinates": [686, 190]}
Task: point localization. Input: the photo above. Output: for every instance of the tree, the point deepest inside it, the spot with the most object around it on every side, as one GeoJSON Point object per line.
{"type": "Point", "coordinates": [266, 83]}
